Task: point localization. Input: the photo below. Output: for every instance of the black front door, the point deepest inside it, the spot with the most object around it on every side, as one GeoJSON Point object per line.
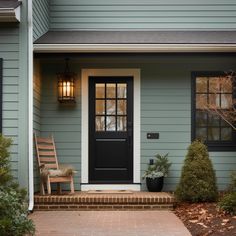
{"type": "Point", "coordinates": [110, 130]}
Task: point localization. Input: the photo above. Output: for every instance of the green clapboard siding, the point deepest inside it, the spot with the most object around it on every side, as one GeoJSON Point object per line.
{"type": "Point", "coordinates": [40, 18]}
{"type": "Point", "coordinates": [36, 116]}
{"type": "Point", "coordinates": [165, 108]}
{"type": "Point", "coordinates": [9, 51]}
{"type": "Point", "coordinates": [61, 120]}
{"type": "Point", "coordinates": [139, 14]}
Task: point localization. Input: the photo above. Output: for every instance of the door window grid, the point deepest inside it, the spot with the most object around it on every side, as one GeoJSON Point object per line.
{"type": "Point", "coordinates": [111, 107]}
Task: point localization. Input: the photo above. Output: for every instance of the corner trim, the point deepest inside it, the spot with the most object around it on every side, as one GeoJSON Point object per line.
{"type": "Point", "coordinates": [30, 106]}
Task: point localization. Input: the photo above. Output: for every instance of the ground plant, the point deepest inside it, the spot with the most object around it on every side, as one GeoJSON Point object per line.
{"type": "Point", "coordinates": [13, 208]}
{"type": "Point", "coordinates": [228, 201]}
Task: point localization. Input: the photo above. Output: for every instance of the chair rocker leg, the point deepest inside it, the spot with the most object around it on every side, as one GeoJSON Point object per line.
{"type": "Point", "coordinates": [49, 186]}
{"type": "Point", "coordinates": [42, 190]}
{"type": "Point", "coordinates": [72, 189]}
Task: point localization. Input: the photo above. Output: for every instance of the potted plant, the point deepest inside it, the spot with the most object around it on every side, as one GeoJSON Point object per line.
{"type": "Point", "coordinates": [156, 172]}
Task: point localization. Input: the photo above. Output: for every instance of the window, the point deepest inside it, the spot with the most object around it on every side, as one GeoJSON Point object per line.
{"type": "Point", "coordinates": [1, 74]}
{"type": "Point", "coordinates": [111, 106]}
{"type": "Point", "coordinates": [206, 125]}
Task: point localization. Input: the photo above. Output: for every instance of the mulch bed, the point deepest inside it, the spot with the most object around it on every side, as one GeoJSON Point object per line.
{"type": "Point", "coordinates": [203, 219]}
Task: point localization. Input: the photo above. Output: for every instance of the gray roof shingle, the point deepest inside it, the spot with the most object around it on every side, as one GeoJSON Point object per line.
{"type": "Point", "coordinates": [138, 37]}
{"type": "Point", "coordinates": [12, 4]}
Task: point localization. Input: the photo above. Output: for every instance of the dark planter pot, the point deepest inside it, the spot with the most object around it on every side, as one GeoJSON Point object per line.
{"type": "Point", "coordinates": [155, 185]}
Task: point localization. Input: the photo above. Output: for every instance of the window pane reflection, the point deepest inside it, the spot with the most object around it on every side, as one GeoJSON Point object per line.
{"type": "Point", "coordinates": [214, 120]}
{"type": "Point", "coordinates": [201, 118]}
{"type": "Point", "coordinates": [121, 123]}
{"type": "Point", "coordinates": [121, 107]}
{"type": "Point", "coordinates": [121, 90]}
{"type": "Point", "coordinates": [226, 101]}
{"type": "Point", "coordinates": [226, 85]}
{"type": "Point", "coordinates": [201, 134]}
{"type": "Point", "coordinates": [214, 85]}
{"type": "Point", "coordinates": [100, 90]}
{"type": "Point", "coordinates": [213, 134]}
{"type": "Point", "coordinates": [214, 100]}
{"type": "Point", "coordinates": [111, 90]}
{"type": "Point", "coordinates": [111, 123]}
{"type": "Point", "coordinates": [226, 134]}
{"type": "Point", "coordinates": [100, 107]}
{"type": "Point", "coordinates": [201, 85]}
{"type": "Point", "coordinates": [201, 101]}
{"type": "Point", "coordinates": [111, 107]}
{"type": "Point", "coordinates": [100, 123]}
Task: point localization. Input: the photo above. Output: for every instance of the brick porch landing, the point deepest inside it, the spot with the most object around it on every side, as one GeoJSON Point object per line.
{"type": "Point", "coordinates": [105, 201]}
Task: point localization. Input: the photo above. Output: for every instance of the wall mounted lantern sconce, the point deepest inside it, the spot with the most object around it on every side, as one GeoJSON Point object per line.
{"type": "Point", "coordinates": [66, 85]}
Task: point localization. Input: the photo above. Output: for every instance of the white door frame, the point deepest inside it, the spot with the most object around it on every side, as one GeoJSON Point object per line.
{"type": "Point", "coordinates": [86, 73]}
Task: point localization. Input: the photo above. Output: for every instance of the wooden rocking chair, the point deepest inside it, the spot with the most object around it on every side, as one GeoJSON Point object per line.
{"type": "Point", "coordinates": [48, 165]}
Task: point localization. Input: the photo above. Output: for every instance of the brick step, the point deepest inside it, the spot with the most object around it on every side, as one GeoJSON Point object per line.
{"type": "Point", "coordinates": [88, 201]}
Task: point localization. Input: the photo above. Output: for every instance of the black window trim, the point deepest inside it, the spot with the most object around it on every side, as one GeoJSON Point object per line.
{"type": "Point", "coordinates": [212, 146]}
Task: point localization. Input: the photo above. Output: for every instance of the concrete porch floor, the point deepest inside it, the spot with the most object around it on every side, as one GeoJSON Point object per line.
{"type": "Point", "coordinates": [108, 223]}
{"type": "Point", "coordinates": [105, 201]}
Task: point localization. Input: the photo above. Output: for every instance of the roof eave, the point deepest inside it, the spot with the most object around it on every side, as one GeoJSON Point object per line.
{"type": "Point", "coordinates": [161, 48]}
{"type": "Point", "coordinates": [10, 14]}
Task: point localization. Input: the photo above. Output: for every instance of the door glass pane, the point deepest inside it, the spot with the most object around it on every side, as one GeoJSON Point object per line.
{"type": "Point", "coordinates": [214, 85]}
{"type": "Point", "coordinates": [201, 134]}
{"type": "Point", "coordinates": [111, 90]}
{"type": "Point", "coordinates": [111, 107]}
{"type": "Point", "coordinates": [121, 107]}
{"type": "Point", "coordinates": [100, 107]}
{"type": "Point", "coordinates": [111, 123]}
{"type": "Point", "coordinates": [100, 90]}
{"type": "Point", "coordinates": [226, 134]}
{"type": "Point", "coordinates": [121, 123]}
{"type": "Point", "coordinates": [213, 134]}
{"type": "Point", "coordinates": [121, 90]}
{"type": "Point", "coordinates": [100, 123]}
{"type": "Point", "coordinates": [201, 101]}
{"type": "Point", "coordinates": [201, 84]}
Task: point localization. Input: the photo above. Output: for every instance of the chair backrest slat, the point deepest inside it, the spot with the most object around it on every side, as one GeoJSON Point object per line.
{"type": "Point", "coordinates": [47, 160]}
{"type": "Point", "coordinates": [42, 153]}
{"type": "Point", "coordinates": [44, 140]}
{"type": "Point", "coordinates": [46, 152]}
{"type": "Point", "coordinates": [45, 147]}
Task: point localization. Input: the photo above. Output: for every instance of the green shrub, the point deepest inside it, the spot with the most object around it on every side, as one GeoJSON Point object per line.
{"type": "Point", "coordinates": [228, 203]}
{"type": "Point", "coordinates": [13, 208]}
{"type": "Point", "coordinates": [5, 175]}
{"type": "Point", "coordinates": [198, 181]}
{"type": "Point", "coordinates": [13, 213]}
